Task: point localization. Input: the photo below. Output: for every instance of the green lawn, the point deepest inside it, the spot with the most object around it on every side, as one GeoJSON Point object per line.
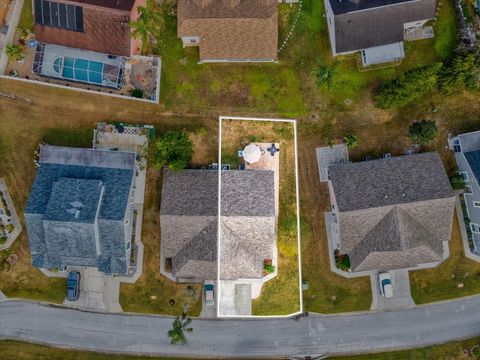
{"type": "Point", "coordinates": [458, 276]}
{"type": "Point", "coordinates": [26, 20]}
{"type": "Point", "coordinates": [15, 350]}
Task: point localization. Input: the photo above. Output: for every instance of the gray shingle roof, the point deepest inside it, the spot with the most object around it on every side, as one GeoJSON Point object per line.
{"type": "Point", "coordinates": [345, 6]}
{"type": "Point", "coordinates": [378, 25]}
{"type": "Point", "coordinates": [396, 232]}
{"type": "Point", "coordinates": [195, 192]}
{"type": "Point", "coordinates": [403, 229]}
{"type": "Point", "coordinates": [74, 200]}
{"type": "Point", "coordinates": [188, 219]}
{"type": "Point", "coordinates": [383, 182]}
{"type": "Point", "coordinates": [71, 179]}
{"type": "Point", "coordinates": [473, 159]}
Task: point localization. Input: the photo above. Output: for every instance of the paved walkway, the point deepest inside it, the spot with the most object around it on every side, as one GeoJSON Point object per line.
{"type": "Point", "coordinates": [313, 335]}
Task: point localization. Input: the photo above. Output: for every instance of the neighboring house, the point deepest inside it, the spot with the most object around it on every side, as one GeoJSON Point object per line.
{"type": "Point", "coordinates": [79, 212]}
{"type": "Point", "coordinates": [189, 224]}
{"type": "Point", "coordinates": [85, 41]}
{"type": "Point", "coordinates": [392, 213]}
{"type": "Point", "coordinates": [377, 28]}
{"type": "Point", "coordinates": [467, 157]}
{"type": "Point", "coordinates": [230, 30]}
{"type": "Point", "coordinates": [95, 25]}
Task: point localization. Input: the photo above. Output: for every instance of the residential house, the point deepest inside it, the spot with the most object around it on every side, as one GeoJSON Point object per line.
{"type": "Point", "coordinates": [467, 157]}
{"type": "Point", "coordinates": [189, 224]}
{"type": "Point", "coordinates": [392, 213]}
{"type": "Point", "coordinates": [79, 212]}
{"type": "Point", "coordinates": [95, 25]}
{"type": "Point", "coordinates": [85, 41]}
{"type": "Point", "coordinates": [377, 28]}
{"type": "Point", "coordinates": [230, 30]}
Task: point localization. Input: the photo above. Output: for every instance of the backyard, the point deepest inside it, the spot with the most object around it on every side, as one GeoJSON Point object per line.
{"type": "Point", "coordinates": [192, 97]}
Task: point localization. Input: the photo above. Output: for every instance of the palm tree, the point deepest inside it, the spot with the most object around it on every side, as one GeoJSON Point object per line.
{"type": "Point", "coordinates": [176, 334]}
{"type": "Point", "coordinates": [148, 25]}
{"type": "Point", "coordinates": [325, 75]}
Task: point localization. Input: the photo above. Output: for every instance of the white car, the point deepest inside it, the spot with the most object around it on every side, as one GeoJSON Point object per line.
{"type": "Point", "coordinates": [209, 287]}
{"type": "Point", "coordinates": [385, 282]}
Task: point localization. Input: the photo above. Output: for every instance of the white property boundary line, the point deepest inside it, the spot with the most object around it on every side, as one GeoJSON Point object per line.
{"type": "Point", "coordinates": [297, 196]}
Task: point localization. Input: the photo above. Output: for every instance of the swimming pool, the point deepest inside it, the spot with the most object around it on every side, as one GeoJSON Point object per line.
{"type": "Point", "coordinates": [79, 69]}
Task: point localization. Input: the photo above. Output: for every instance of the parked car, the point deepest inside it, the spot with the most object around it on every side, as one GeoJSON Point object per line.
{"type": "Point", "coordinates": [73, 285]}
{"type": "Point", "coordinates": [209, 287]}
{"type": "Point", "coordinates": [385, 281]}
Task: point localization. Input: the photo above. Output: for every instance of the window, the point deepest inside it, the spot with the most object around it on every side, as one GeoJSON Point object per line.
{"type": "Point", "coordinates": [475, 227]}
{"type": "Point", "coordinates": [476, 204]}
{"type": "Point", "coordinates": [57, 15]}
{"type": "Point", "coordinates": [456, 146]}
{"type": "Point", "coordinates": [464, 175]}
{"type": "Point", "coordinates": [468, 189]}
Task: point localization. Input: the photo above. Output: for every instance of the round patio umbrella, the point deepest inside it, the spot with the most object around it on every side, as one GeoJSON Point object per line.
{"type": "Point", "coordinates": [252, 153]}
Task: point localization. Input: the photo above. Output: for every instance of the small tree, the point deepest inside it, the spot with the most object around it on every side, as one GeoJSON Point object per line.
{"type": "Point", "coordinates": [175, 149]}
{"type": "Point", "coordinates": [179, 327]}
{"type": "Point", "coordinates": [325, 75]}
{"type": "Point", "coordinates": [149, 24]}
{"type": "Point", "coordinates": [14, 52]}
{"type": "Point", "coordinates": [423, 131]}
{"type": "Point", "coordinates": [351, 140]}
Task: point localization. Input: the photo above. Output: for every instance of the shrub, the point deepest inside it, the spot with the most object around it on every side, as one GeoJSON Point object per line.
{"type": "Point", "coordinates": [10, 227]}
{"type": "Point", "coordinates": [137, 93]}
{"type": "Point", "coordinates": [175, 149]}
{"type": "Point", "coordinates": [14, 52]}
{"type": "Point", "coordinates": [411, 85]}
{"type": "Point", "coordinates": [423, 131]}
{"type": "Point", "coordinates": [351, 140]}
{"type": "Point", "coordinates": [457, 182]}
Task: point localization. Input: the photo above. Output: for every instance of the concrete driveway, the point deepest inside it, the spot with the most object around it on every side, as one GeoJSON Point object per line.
{"type": "Point", "coordinates": [209, 311]}
{"type": "Point", "coordinates": [98, 292]}
{"type": "Point", "coordinates": [402, 299]}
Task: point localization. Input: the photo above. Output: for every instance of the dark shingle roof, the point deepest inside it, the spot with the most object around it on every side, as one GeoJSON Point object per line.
{"type": "Point", "coordinates": [189, 197]}
{"type": "Point", "coordinates": [70, 179]}
{"type": "Point", "coordinates": [378, 25]}
{"type": "Point", "coordinates": [345, 6]}
{"type": "Point", "coordinates": [124, 5]}
{"type": "Point", "coordinates": [195, 193]}
{"type": "Point", "coordinates": [383, 182]}
{"type": "Point", "coordinates": [473, 159]}
{"type": "Point", "coordinates": [74, 200]}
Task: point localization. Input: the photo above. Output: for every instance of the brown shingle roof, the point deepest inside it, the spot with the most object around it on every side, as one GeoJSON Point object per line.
{"type": "Point", "coordinates": [103, 32]}
{"type": "Point", "coordinates": [231, 29]}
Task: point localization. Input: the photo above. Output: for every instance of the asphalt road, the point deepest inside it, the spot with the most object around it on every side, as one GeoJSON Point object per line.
{"type": "Point", "coordinates": [313, 335]}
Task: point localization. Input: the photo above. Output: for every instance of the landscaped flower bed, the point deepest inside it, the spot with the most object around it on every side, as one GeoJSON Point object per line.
{"type": "Point", "coordinates": [268, 267]}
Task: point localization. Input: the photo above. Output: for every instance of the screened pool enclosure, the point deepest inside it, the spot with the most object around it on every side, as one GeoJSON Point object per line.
{"type": "Point", "coordinates": [78, 65]}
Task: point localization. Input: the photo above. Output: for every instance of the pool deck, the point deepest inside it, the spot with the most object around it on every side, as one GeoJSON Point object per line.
{"type": "Point", "coordinates": [140, 72]}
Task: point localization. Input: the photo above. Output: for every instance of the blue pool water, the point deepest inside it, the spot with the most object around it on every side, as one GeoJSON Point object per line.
{"type": "Point", "coordinates": [82, 70]}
